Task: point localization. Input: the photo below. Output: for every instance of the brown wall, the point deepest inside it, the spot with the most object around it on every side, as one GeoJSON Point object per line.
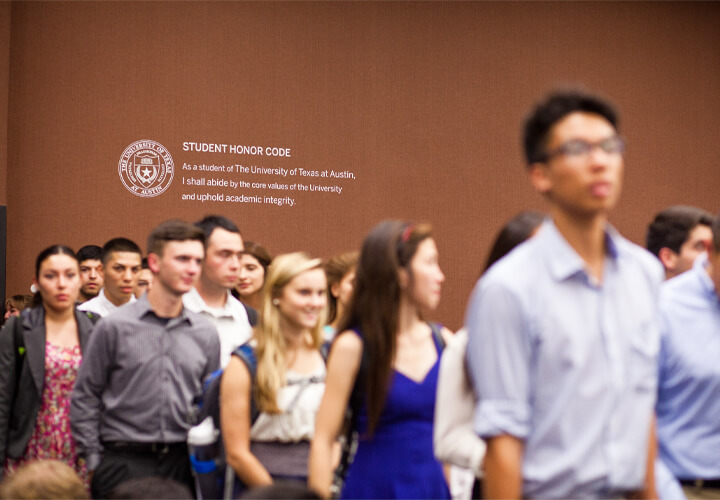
{"type": "Point", "coordinates": [422, 102]}
{"type": "Point", "coordinates": [5, 11]}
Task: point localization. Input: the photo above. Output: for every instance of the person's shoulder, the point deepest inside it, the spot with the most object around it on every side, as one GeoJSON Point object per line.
{"type": "Point", "coordinates": [193, 301]}
{"type": "Point", "coordinates": [649, 264]}
{"type": "Point", "coordinates": [238, 309]}
{"type": "Point", "coordinates": [202, 327]}
{"type": "Point", "coordinates": [198, 320]}
{"type": "Point", "coordinates": [346, 349]}
{"type": "Point", "coordinates": [130, 310]}
{"type": "Point", "coordinates": [349, 341]}
{"type": "Point", "coordinates": [687, 289]}
{"type": "Point", "coordinates": [516, 269]}
{"type": "Point", "coordinates": [89, 305]}
{"type": "Point", "coordinates": [635, 251]}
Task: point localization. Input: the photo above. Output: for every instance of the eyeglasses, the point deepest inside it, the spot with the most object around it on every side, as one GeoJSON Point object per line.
{"type": "Point", "coordinates": [578, 148]}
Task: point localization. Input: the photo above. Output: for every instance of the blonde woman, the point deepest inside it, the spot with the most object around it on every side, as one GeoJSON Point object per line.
{"type": "Point", "coordinates": [289, 379]}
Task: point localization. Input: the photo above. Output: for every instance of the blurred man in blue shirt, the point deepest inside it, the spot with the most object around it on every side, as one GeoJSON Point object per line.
{"type": "Point", "coordinates": [563, 333]}
{"type": "Point", "coordinates": [677, 236]}
{"type": "Point", "coordinates": [688, 407]}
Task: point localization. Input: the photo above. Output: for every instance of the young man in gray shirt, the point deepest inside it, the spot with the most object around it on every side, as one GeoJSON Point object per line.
{"type": "Point", "coordinates": [141, 370]}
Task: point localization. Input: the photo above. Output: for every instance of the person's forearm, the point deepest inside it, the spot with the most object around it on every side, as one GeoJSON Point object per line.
{"type": "Point", "coordinates": [249, 469]}
{"type": "Point", "coordinates": [8, 383]}
{"type": "Point", "coordinates": [649, 491]}
{"type": "Point", "coordinates": [503, 468]}
{"type": "Point", "coordinates": [86, 403]}
{"type": "Point", "coordinates": [84, 424]}
{"type": "Point", "coordinates": [320, 470]}
{"type": "Point", "coordinates": [461, 447]}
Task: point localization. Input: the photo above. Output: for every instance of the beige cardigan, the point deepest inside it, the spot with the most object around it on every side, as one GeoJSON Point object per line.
{"type": "Point", "coordinates": [454, 439]}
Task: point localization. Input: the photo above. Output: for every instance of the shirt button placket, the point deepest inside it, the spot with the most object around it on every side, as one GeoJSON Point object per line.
{"type": "Point", "coordinates": [163, 385]}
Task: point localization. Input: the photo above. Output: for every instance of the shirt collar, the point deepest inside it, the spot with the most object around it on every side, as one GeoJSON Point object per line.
{"type": "Point", "coordinates": [700, 269]}
{"type": "Point", "coordinates": [199, 303]}
{"type": "Point", "coordinates": [144, 308]}
{"type": "Point", "coordinates": [104, 298]}
{"type": "Point", "coordinates": [562, 258]}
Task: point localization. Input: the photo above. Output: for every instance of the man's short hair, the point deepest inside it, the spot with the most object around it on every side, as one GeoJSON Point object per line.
{"type": "Point", "coordinates": [671, 227]}
{"type": "Point", "coordinates": [211, 222]}
{"type": "Point", "coordinates": [173, 230]}
{"type": "Point", "coordinates": [118, 245]}
{"type": "Point", "coordinates": [89, 252]}
{"type": "Point", "coordinates": [151, 487]}
{"type": "Point", "coordinates": [554, 108]}
{"type": "Point", "coordinates": [715, 226]}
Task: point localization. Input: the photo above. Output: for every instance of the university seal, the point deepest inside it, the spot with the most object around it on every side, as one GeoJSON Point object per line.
{"type": "Point", "coordinates": [146, 168]}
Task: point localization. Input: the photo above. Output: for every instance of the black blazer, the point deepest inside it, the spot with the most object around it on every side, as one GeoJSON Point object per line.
{"type": "Point", "coordinates": [17, 421]}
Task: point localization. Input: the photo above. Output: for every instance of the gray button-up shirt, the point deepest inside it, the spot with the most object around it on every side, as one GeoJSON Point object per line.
{"type": "Point", "coordinates": [139, 376]}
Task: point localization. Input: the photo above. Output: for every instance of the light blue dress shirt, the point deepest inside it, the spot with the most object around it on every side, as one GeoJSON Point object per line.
{"type": "Point", "coordinates": [568, 365]}
{"type": "Point", "coordinates": [688, 406]}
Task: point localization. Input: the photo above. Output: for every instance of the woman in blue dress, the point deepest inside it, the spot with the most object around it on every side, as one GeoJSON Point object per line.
{"type": "Point", "coordinates": [386, 357]}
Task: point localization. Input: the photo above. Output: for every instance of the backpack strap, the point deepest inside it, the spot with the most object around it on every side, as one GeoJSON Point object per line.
{"type": "Point", "coordinates": [438, 338]}
{"type": "Point", "coordinates": [252, 314]}
{"type": "Point", "coordinates": [325, 350]}
{"type": "Point", "coordinates": [246, 353]}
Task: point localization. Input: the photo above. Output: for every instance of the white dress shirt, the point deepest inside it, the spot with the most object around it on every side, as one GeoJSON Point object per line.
{"type": "Point", "coordinates": [231, 322]}
{"type": "Point", "coordinates": [101, 305]}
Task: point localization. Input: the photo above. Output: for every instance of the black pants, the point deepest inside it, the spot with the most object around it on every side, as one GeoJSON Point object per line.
{"type": "Point", "coordinates": [119, 465]}
{"type": "Point", "coordinates": [477, 489]}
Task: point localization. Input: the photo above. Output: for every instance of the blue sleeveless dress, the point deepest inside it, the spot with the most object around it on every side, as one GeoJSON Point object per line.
{"type": "Point", "coordinates": [398, 460]}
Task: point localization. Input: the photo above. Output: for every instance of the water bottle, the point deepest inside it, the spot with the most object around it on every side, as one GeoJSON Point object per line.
{"type": "Point", "coordinates": [204, 448]}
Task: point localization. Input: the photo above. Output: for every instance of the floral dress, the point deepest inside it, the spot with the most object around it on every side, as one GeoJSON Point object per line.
{"type": "Point", "coordinates": [51, 438]}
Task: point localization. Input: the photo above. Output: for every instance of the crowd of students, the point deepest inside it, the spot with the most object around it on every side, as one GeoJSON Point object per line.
{"type": "Point", "coordinates": [577, 374]}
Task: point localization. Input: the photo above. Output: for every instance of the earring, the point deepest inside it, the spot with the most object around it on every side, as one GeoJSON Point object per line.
{"type": "Point", "coordinates": [276, 302]}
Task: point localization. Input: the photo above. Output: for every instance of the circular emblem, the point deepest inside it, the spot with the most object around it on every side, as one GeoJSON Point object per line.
{"type": "Point", "coordinates": [146, 168]}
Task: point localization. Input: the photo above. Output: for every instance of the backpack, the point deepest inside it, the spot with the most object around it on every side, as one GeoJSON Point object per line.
{"type": "Point", "coordinates": [349, 436]}
{"type": "Point", "coordinates": [209, 404]}
{"type": "Point", "coordinates": [222, 483]}
{"type": "Point", "coordinates": [214, 479]}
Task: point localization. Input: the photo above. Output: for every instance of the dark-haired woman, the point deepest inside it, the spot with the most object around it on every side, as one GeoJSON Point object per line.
{"type": "Point", "coordinates": [397, 279]}
{"type": "Point", "coordinates": [40, 352]}
{"type": "Point", "coordinates": [340, 271]}
{"type": "Point", "coordinates": [454, 439]}
{"type": "Point", "coordinates": [254, 265]}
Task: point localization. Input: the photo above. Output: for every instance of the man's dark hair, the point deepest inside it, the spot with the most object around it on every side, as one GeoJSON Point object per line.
{"type": "Point", "coordinates": [211, 222]}
{"type": "Point", "coordinates": [151, 487]}
{"type": "Point", "coordinates": [554, 108]}
{"type": "Point", "coordinates": [672, 226]}
{"type": "Point", "coordinates": [89, 252]}
{"type": "Point", "coordinates": [144, 264]}
{"type": "Point", "coordinates": [515, 231]}
{"type": "Point", "coordinates": [280, 490]}
{"type": "Point", "coordinates": [173, 230]}
{"type": "Point", "coordinates": [118, 245]}
{"type": "Point", "coordinates": [715, 226]}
